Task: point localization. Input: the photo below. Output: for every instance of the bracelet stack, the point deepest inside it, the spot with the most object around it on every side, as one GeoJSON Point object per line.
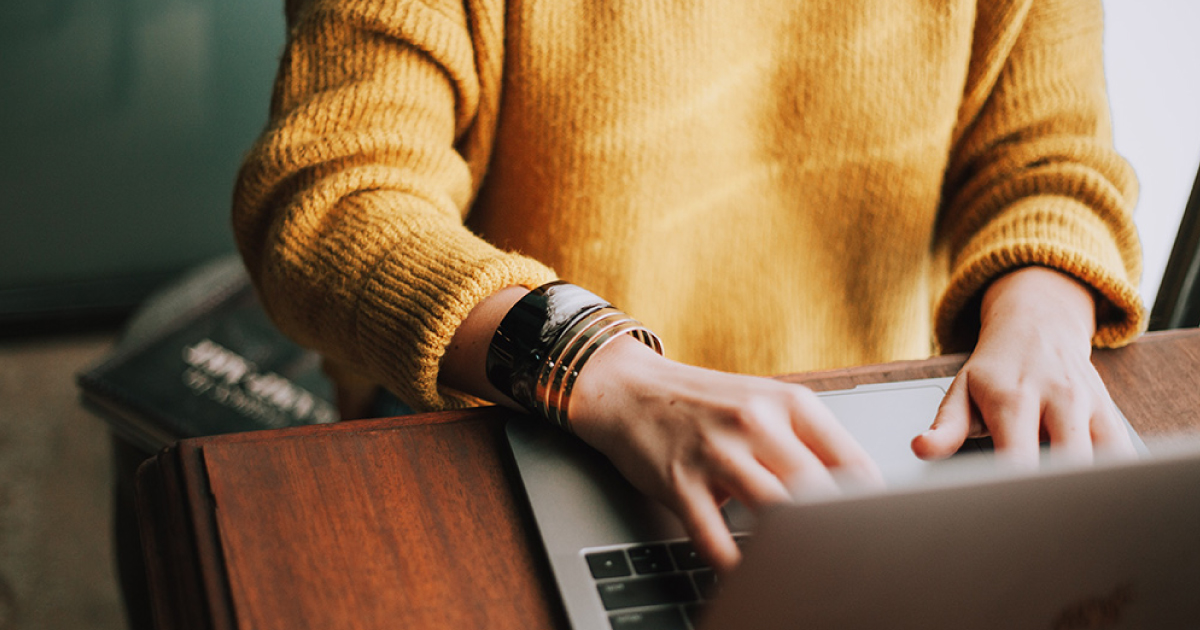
{"type": "Point", "coordinates": [543, 343]}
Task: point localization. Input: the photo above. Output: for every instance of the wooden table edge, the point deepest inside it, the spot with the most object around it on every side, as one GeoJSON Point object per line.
{"type": "Point", "coordinates": [175, 482]}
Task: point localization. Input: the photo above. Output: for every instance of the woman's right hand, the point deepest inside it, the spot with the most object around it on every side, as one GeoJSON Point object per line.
{"type": "Point", "coordinates": [692, 438]}
{"type": "Point", "coordinates": [689, 437]}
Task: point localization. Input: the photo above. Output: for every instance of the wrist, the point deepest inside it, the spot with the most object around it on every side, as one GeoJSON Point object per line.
{"type": "Point", "coordinates": [609, 382]}
{"type": "Point", "coordinates": [1042, 298]}
{"type": "Point", "coordinates": [462, 367]}
{"type": "Point", "coordinates": [547, 338]}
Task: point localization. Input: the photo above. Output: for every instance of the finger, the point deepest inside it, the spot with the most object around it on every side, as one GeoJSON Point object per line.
{"type": "Point", "coordinates": [1068, 424]}
{"type": "Point", "coordinates": [749, 481]}
{"type": "Point", "coordinates": [783, 453]}
{"type": "Point", "coordinates": [1110, 436]}
{"type": "Point", "coordinates": [1014, 421]}
{"type": "Point", "coordinates": [813, 483]}
{"type": "Point", "coordinates": [811, 479]}
{"type": "Point", "coordinates": [705, 525]}
{"type": "Point", "coordinates": [951, 426]}
{"type": "Point", "coordinates": [828, 440]}
{"type": "Point", "coordinates": [756, 483]}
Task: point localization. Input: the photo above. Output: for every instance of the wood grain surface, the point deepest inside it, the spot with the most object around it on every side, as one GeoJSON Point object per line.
{"type": "Point", "coordinates": [417, 522]}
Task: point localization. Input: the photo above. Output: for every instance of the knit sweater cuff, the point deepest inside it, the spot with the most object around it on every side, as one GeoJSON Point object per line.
{"type": "Point", "coordinates": [403, 335]}
{"type": "Point", "coordinates": [1050, 231]}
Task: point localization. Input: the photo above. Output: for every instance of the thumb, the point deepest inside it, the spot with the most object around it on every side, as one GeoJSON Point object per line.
{"type": "Point", "coordinates": [950, 427]}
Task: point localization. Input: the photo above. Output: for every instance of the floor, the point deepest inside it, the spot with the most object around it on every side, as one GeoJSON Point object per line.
{"type": "Point", "coordinates": [56, 560]}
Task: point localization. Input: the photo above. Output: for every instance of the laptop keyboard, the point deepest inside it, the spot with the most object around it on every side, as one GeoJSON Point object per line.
{"type": "Point", "coordinates": [656, 586]}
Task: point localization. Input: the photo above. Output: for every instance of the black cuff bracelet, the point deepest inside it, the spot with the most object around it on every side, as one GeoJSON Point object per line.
{"type": "Point", "coordinates": [523, 340]}
{"type": "Point", "coordinates": [544, 341]}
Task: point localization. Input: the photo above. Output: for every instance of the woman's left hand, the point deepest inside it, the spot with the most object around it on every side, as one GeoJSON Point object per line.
{"type": "Point", "coordinates": [1030, 377]}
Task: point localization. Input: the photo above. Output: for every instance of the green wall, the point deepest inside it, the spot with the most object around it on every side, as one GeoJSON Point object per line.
{"type": "Point", "coordinates": [122, 123]}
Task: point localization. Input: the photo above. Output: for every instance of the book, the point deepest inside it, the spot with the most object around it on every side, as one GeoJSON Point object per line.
{"type": "Point", "coordinates": [216, 365]}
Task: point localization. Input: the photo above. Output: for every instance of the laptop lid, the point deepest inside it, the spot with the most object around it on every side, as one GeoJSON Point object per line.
{"type": "Point", "coordinates": [1111, 546]}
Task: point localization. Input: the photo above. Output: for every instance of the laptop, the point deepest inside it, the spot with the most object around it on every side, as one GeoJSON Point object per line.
{"type": "Point", "coordinates": [956, 544]}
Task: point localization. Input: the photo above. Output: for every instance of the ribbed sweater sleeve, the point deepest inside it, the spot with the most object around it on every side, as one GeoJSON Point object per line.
{"type": "Point", "coordinates": [1033, 179]}
{"type": "Point", "coordinates": [349, 210]}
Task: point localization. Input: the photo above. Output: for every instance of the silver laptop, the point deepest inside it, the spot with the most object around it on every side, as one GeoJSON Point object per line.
{"type": "Point", "coordinates": [957, 544]}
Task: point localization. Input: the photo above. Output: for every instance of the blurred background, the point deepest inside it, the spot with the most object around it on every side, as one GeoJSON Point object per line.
{"type": "Point", "coordinates": [122, 123]}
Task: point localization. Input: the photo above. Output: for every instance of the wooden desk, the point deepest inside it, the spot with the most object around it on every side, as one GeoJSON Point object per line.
{"type": "Point", "coordinates": [416, 522]}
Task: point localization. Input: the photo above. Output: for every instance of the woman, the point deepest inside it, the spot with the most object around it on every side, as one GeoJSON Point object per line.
{"type": "Point", "coordinates": [770, 187]}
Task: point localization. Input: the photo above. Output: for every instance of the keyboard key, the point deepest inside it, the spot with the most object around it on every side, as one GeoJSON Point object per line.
{"type": "Point", "coordinates": [686, 557]}
{"type": "Point", "coordinates": [706, 583]}
{"type": "Point", "coordinates": [608, 564]}
{"type": "Point", "coordinates": [650, 558]}
{"type": "Point", "coordinates": [664, 619]}
{"type": "Point", "coordinates": [674, 588]}
{"type": "Point", "coordinates": [694, 612]}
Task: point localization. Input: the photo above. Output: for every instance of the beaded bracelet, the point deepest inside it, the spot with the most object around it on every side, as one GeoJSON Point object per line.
{"type": "Point", "coordinates": [544, 341]}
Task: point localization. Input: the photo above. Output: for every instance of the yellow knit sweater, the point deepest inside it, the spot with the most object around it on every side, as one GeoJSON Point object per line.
{"type": "Point", "coordinates": [771, 185]}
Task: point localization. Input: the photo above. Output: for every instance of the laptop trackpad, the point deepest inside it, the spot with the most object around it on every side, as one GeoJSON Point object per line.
{"type": "Point", "coordinates": [885, 420]}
